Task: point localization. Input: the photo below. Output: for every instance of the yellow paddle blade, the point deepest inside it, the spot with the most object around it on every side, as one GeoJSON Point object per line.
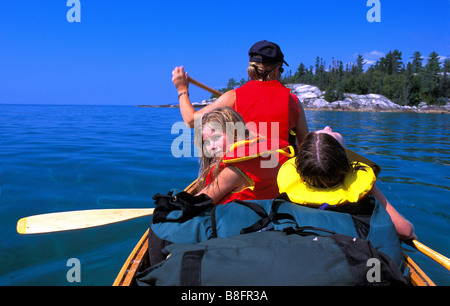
{"type": "Point", "coordinates": [71, 220]}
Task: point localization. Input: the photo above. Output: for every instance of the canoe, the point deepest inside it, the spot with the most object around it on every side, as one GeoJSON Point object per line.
{"type": "Point", "coordinates": [139, 261]}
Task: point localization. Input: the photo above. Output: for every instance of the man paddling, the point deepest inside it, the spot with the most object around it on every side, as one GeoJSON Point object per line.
{"type": "Point", "coordinates": [263, 101]}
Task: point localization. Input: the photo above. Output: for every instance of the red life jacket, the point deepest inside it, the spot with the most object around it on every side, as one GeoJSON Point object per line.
{"type": "Point", "coordinates": [267, 103]}
{"type": "Point", "coordinates": [258, 160]}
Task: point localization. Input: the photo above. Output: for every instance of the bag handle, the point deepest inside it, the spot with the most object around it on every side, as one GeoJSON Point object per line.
{"type": "Point", "coordinates": [275, 215]}
{"type": "Point", "coordinates": [307, 230]}
{"type": "Point", "coordinates": [190, 206]}
{"type": "Point", "coordinates": [258, 209]}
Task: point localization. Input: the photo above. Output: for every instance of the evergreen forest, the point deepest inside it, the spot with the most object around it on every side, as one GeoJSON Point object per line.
{"type": "Point", "coordinates": [420, 80]}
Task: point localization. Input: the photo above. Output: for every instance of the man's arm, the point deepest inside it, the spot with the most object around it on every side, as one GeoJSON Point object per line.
{"type": "Point", "coordinates": [188, 112]}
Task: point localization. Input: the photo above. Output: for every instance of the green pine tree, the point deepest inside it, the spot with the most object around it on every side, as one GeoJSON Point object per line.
{"type": "Point", "coordinates": [417, 60]}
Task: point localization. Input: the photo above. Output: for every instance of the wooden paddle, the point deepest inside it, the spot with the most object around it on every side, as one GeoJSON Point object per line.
{"type": "Point", "coordinates": [203, 86]}
{"type": "Point", "coordinates": [439, 258]}
{"type": "Point", "coordinates": [71, 220]}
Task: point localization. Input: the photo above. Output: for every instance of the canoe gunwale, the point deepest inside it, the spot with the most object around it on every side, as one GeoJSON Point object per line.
{"type": "Point", "coordinates": [418, 277]}
{"type": "Point", "coordinates": [134, 263]}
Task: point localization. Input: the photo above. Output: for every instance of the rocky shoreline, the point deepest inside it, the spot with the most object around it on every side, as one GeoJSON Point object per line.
{"type": "Point", "coordinates": [312, 98]}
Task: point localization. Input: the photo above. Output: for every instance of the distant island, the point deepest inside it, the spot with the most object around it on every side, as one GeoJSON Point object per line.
{"type": "Point", "coordinates": [194, 104]}
{"type": "Point", "coordinates": [422, 84]}
{"type": "Point", "coordinates": [312, 98]}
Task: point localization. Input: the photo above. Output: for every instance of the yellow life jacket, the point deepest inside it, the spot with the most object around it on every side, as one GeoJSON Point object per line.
{"type": "Point", "coordinates": [355, 186]}
{"type": "Point", "coordinates": [252, 148]}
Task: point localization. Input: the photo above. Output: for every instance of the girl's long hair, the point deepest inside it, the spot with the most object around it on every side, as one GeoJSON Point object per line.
{"type": "Point", "coordinates": [233, 125]}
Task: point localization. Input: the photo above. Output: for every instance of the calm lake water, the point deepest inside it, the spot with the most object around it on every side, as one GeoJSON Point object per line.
{"type": "Point", "coordinates": [64, 158]}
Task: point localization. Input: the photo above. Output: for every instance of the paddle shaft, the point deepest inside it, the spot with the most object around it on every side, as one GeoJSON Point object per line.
{"type": "Point", "coordinates": [439, 258]}
{"type": "Point", "coordinates": [203, 86]}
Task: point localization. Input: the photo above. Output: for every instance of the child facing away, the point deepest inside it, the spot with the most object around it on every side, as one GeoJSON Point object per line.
{"type": "Point", "coordinates": [322, 174]}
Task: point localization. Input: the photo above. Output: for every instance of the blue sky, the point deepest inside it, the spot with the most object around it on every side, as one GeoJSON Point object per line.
{"type": "Point", "coordinates": [123, 52]}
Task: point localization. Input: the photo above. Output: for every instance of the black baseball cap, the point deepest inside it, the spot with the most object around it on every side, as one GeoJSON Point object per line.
{"type": "Point", "coordinates": [266, 52]}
